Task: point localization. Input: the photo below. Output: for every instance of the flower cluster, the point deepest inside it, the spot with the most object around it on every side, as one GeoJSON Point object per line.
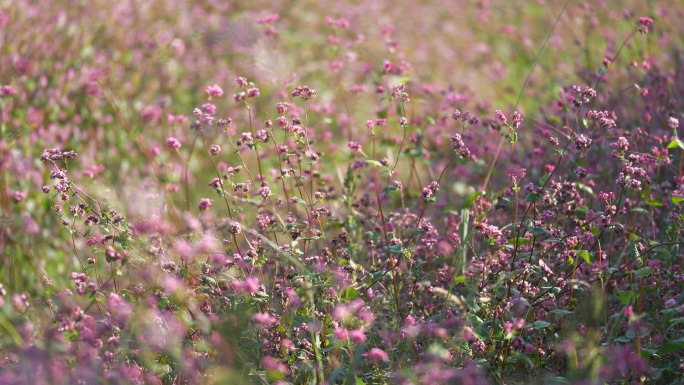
{"type": "Point", "coordinates": [406, 225]}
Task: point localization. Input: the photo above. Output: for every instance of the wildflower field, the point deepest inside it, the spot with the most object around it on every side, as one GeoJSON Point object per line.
{"type": "Point", "coordinates": [341, 192]}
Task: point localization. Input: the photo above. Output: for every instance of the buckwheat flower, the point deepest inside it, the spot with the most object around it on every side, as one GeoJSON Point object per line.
{"type": "Point", "coordinates": [262, 136]}
{"type": "Point", "coordinates": [304, 92]}
{"type": "Point", "coordinates": [387, 66]}
{"type": "Point", "coordinates": [205, 204]}
{"type": "Point", "coordinates": [209, 108]}
{"type": "Point", "coordinates": [403, 121]}
{"type": "Point", "coordinates": [377, 355]}
{"type": "Point", "coordinates": [517, 119]}
{"type": "Point", "coordinates": [151, 113]}
{"type": "Point", "coordinates": [246, 138]}
{"type": "Point", "coordinates": [273, 365]}
{"type": "Point", "coordinates": [357, 336]}
{"type": "Point", "coordinates": [456, 115]}
{"type": "Point", "coordinates": [268, 19]}
{"type": "Point", "coordinates": [241, 81]}
{"type": "Point", "coordinates": [263, 319]}
{"type": "Point", "coordinates": [365, 314]}
{"type": "Point", "coordinates": [208, 119]}
{"type": "Point", "coordinates": [430, 190]}
{"type": "Point", "coordinates": [234, 228]}
{"type": "Point", "coordinates": [19, 196]}
{"type": "Point", "coordinates": [620, 145]}
{"type": "Point", "coordinates": [357, 88]}
{"type": "Point", "coordinates": [120, 309]}
{"type": "Point", "coordinates": [340, 333]}
{"type": "Point", "coordinates": [459, 146]}
{"type": "Point", "coordinates": [605, 119]}
{"type": "Point", "coordinates": [399, 94]}
{"type": "Point", "coordinates": [644, 23]}
{"type": "Point", "coordinates": [342, 312]}
{"type": "Point", "coordinates": [214, 90]}
{"type": "Point", "coordinates": [582, 142]}
{"type": "Point", "coordinates": [7, 90]}
{"type": "Point", "coordinates": [354, 146]}
{"type": "Point", "coordinates": [673, 123]}
{"type": "Point", "coordinates": [369, 124]}
{"type": "Point", "coordinates": [455, 238]}
{"type": "Point", "coordinates": [281, 108]}
{"type": "Point", "coordinates": [341, 22]}
{"type": "Point", "coordinates": [501, 117]}
{"type": "Point", "coordinates": [264, 191]}
{"type": "Point", "coordinates": [251, 285]}
{"type": "Point", "coordinates": [56, 154]}
{"type": "Point", "coordinates": [215, 183]}
{"type": "Point", "coordinates": [628, 311]}
{"type": "Point", "coordinates": [253, 92]}
{"type": "Point", "coordinates": [20, 302]}
{"type": "Point", "coordinates": [112, 255]}
{"type": "Point", "coordinates": [281, 122]}
{"type": "Point", "coordinates": [214, 149]}
{"type": "Point", "coordinates": [240, 96]}
{"type": "Point", "coordinates": [173, 143]}
{"type": "Point", "coordinates": [176, 118]}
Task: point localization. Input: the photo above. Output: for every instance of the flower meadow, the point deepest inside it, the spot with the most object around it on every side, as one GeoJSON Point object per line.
{"type": "Point", "coordinates": [319, 192]}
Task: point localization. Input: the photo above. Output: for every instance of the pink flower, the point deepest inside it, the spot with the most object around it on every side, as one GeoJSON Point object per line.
{"type": "Point", "coordinates": [173, 143]}
{"type": "Point", "coordinates": [354, 146]}
{"type": "Point", "coordinates": [19, 196]}
{"type": "Point", "coordinates": [263, 319]}
{"type": "Point", "coordinates": [7, 91]}
{"type": "Point", "coordinates": [251, 285]}
{"type": "Point", "coordinates": [271, 364]}
{"type": "Point", "coordinates": [358, 336]}
{"type": "Point", "coordinates": [205, 204]}
{"type": "Point", "coordinates": [214, 90]}
{"type": "Point", "coordinates": [341, 334]}
{"type": "Point", "coordinates": [377, 355]}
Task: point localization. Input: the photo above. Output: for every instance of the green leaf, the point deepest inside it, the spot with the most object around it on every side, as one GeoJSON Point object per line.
{"type": "Point", "coordinates": [653, 202]}
{"type": "Point", "coordinates": [676, 143]}
{"type": "Point", "coordinates": [586, 256]}
{"type": "Point", "coordinates": [645, 272]}
{"type": "Point", "coordinates": [389, 189]}
{"type": "Point", "coordinates": [337, 373]}
{"type": "Point", "coordinates": [459, 279]}
{"type": "Point", "coordinates": [674, 346]}
{"type": "Point", "coordinates": [469, 201]}
{"type": "Point", "coordinates": [537, 325]}
{"type": "Point", "coordinates": [677, 200]}
{"type": "Point", "coordinates": [626, 297]}
{"type": "Point", "coordinates": [561, 312]}
{"type": "Point", "coordinates": [513, 138]}
{"type": "Point", "coordinates": [351, 294]}
{"type": "Point", "coordinates": [374, 163]}
{"type": "Point", "coordinates": [396, 249]}
{"type": "Point", "coordinates": [585, 188]}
